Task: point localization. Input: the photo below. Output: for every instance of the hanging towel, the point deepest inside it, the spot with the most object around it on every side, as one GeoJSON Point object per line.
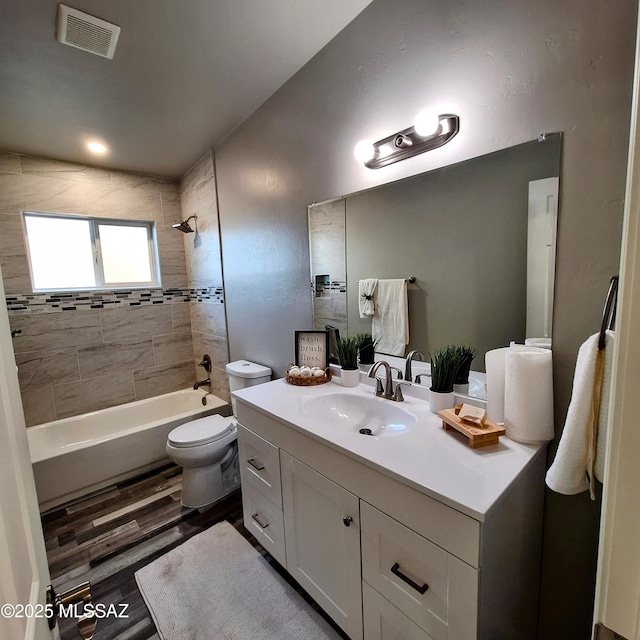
{"type": "Point", "coordinates": [528, 395]}
{"type": "Point", "coordinates": [603, 414]}
{"type": "Point", "coordinates": [572, 468]}
{"type": "Point", "coordinates": [366, 290]}
{"type": "Point", "coordinates": [390, 322]}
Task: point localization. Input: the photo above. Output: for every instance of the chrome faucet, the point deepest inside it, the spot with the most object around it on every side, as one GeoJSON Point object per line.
{"type": "Point", "coordinates": [418, 355]}
{"type": "Point", "coordinates": [388, 391]}
{"type": "Point", "coordinates": [202, 383]}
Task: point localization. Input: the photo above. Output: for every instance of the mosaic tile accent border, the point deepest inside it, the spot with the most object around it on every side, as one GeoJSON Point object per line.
{"type": "Point", "coordinates": [116, 299]}
{"type": "Point", "coordinates": [324, 289]}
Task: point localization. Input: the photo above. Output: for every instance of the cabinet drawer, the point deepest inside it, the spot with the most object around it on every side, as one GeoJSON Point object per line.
{"type": "Point", "coordinates": [264, 520]}
{"type": "Point", "coordinates": [383, 621]}
{"type": "Point", "coordinates": [259, 465]}
{"type": "Point", "coordinates": [426, 583]}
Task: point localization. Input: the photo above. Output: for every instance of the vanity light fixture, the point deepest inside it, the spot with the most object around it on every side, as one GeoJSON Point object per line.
{"type": "Point", "coordinates": [428, 132]}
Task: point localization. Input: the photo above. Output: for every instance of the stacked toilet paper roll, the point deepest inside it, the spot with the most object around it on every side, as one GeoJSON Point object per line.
{"type": "Point", "coordinates": [520, 392]}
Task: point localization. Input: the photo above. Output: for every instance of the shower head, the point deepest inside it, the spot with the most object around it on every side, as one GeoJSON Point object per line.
{"type": "Point", "coordinates": [184, 225]}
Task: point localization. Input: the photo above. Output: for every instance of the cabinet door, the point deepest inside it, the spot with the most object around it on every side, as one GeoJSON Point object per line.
{"type": "Point", "coordinates": [322, 533]}
{"type": "Point", "coordinates": [383, 621]}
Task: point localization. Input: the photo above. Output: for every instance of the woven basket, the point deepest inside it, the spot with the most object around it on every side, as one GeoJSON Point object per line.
{"type": "Point", "coordinates": [312, 381]}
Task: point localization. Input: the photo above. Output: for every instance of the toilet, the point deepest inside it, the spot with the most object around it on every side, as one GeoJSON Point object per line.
{"type": "Point", "coordinates": [207, 448]}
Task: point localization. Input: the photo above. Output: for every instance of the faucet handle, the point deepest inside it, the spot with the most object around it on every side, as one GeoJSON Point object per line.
{"type": "Point", "coordinates": [399, 372]}
{"type": "Point", "coordinates": [397, 396]}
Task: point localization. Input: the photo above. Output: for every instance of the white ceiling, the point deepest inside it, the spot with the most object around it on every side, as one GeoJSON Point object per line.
{"type": "Point", "coordinates": [185, 74]}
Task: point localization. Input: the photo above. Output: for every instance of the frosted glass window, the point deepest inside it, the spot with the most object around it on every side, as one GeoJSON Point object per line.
{"type": "Point", "coordinates": [73, 252]}
{"type": "Point", "coordinates": [61, 253]}
{"type": "Point", "coordinates": [125, 253]}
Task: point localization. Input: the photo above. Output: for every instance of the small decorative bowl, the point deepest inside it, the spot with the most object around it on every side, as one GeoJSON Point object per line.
{"type": "Point", "coordinates": [310, 381]}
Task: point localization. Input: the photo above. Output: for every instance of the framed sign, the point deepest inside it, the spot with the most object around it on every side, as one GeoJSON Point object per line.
{"type": "Point", "coordinates": [312, 348]}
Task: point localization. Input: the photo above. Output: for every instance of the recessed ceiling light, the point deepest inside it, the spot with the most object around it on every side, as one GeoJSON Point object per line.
{"type": "Point", "coordinates": [96, 147]}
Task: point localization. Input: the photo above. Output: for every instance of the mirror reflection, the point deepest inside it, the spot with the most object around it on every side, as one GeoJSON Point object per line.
{"type": "Point", "coordinates": [478, 237]}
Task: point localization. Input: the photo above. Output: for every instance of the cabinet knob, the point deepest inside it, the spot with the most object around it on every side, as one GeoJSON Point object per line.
{"type": "Point", "coordinates": [347, 520]}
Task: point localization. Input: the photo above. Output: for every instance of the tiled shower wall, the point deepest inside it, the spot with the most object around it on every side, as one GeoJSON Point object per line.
{"type": "Point", "coordinates": [101, 351]}
{"type": "Point", "coordinates": [204, 271]}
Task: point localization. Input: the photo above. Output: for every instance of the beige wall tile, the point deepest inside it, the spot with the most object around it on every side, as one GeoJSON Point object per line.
{"type": "Point", "coordinates": [43, 331]}
{"type": "Point", "coordinates": [180, 317]}
{"type": "Point", "coordinates": [13, 256]}
{"type": "Point", "coordinates": [110, 357]}
{"type": "Point", "coordinates": [171, 208]}
{"type": "Point", "coordinates": [144, 181]}
{"type": "Point", "coordinates": [215, 347]}
{"type": "Point", "coordinates": [173, 266]}
{"type": "Point", "coordinates": [128, 323]}
{"type": "Point", "coordinates": [207, 200]}
{"type": "Point", "coordinates": [171, 348]}
{"type": "Point", "coordinates": [38, 406]}
{"type": "Point", "coordinates": [35, 193]}
{"type": "Point", "coordinates": [75, 398]}
{"type": "Point", "coordinates": [208, 318]}
{"type": "Point", "coordinates": [15, 275]}
{"type": "Point", "coordinates": [165, 378]}
{"type": "Point", "coordinates": [33, 165]}
{"type": "Point", "coordinates": [189, 202]}
{"type": "Point", "coordinates": [220, 384]}
{"type": "Point", "coordinates": [198, 172]}
{"type": "Point", "coordinates": [118, 202]}
{"type": "Point", "coordinates": [9, 162]}
{"type": "Point", "coordinates": [37, 369]}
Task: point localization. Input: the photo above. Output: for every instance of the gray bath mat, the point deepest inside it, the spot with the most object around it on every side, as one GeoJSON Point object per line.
{"type": "Point", "coordinates": [216, 585]}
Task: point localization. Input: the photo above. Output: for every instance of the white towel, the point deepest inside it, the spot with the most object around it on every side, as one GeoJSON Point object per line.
{"type": "Point", "coordinates": [366, 290]}
{"type": "Point", "coordinates": [390, 322]}
{"type": "Point", "coordinates": [570, 472]}
{"type": "Point", "coordinates": [528, 395]}
{"type": "Point", "coordinates": [603, 414]}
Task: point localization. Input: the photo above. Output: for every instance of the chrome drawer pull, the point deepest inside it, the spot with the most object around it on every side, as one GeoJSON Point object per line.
{"type": "Point", "coordinates": [256, 465]}
{"type": "Point", "coordinates": [255, 518]}
{"type": "Point", "coordinates": [396, 571]}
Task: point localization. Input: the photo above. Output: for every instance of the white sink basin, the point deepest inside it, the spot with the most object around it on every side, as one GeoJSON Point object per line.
{"type": "Point", "coordinates": [367, 415]}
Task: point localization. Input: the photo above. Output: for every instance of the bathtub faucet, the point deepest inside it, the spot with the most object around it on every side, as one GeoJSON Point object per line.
{"type": "Point", "coordinates": [197, 385]}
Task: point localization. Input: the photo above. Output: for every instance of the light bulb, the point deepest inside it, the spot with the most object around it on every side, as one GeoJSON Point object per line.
{"type": "Point", "coordinates": [364, 151]}
{"type": "Point", "coordinates": [426, 123]}
{"type": "Point", "coordinates": [96, 147]}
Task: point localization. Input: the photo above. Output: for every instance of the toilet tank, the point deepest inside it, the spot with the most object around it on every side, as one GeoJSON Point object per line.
{"type": "Point", "coordinates": [243, 373]}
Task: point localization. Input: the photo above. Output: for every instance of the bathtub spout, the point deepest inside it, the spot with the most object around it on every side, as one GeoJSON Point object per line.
{"type": "Point", "coordinates": [197, 385]}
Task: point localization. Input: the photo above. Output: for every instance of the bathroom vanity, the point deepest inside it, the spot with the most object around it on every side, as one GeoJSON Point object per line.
{"type": "Point", "coordinates": [405, 533]}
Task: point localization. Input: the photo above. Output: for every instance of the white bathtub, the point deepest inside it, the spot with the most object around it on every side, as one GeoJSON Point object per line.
{"type": "Point", "coordinates": [76, 456]}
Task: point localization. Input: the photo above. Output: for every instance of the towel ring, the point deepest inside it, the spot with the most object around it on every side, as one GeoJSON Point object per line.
{"type": "Point", "coordinates": [609, 312]}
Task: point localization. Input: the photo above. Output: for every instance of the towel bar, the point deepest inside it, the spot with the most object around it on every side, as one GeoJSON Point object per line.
{"type": "Point", "coordinates": [609, 312]}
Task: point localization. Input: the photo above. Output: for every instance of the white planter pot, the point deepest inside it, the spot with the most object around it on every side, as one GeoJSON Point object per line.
{"type": "Point", "coordinates": [350, 377]}
{"type": "Point", "coordinates": [439, 401]}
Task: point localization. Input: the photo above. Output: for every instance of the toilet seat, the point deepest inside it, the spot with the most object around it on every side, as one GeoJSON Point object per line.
{"type": "Point", "coordinates": [201, 431]}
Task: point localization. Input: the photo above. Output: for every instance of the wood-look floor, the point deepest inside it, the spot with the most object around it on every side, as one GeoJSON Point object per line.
{"type": "Point", "coordinates": [106, 538]}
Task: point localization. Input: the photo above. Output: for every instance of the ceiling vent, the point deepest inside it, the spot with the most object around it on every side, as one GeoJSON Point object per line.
{"type": "Point", "coordinates": [80, 30]}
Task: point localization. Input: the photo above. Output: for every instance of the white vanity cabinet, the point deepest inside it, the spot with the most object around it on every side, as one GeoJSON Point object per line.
{"type": "Point", "coordinates": [407, 566]}
{"type": "Point", "coordinates": [322, 531]}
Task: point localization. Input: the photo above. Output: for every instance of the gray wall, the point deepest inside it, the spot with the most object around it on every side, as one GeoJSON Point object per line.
{"type": "Point", "coordinates": [509, 69]}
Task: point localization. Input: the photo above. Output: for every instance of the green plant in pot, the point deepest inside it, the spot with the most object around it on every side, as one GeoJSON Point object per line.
{"type": "Point", "coordinates": [348, 353]}
{"type": "Point", "coordinates": [445, 363]}
{"type": "Point", "coordinates": [466, 353]}
{"type": "Point", "coordinates": [367, 348]}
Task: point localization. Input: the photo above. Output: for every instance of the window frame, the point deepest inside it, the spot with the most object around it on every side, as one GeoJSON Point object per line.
{"type": "Point", "coordinates": [96, 249]}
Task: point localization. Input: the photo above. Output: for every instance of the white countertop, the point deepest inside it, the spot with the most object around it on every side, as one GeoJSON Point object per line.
{"type": "Point", "coordinates": [436, 462]}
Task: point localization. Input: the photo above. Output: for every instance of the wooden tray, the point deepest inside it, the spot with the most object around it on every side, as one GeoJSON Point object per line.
{"type": "Point", "coordinates": [478, 436]}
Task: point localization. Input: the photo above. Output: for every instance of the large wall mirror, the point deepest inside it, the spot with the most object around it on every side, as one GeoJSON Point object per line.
{"type": "Point", "coordinates": [478, 237]}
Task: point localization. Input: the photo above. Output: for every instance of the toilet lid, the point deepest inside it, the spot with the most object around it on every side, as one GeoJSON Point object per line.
{"type": "Point", "coordinates": [201, 431]}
